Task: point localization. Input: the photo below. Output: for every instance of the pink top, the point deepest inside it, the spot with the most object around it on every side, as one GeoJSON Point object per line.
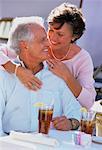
{"type": "Point", "coordinates": [81, 67]}
{"type": "Point", "coordinates": [6, 55]}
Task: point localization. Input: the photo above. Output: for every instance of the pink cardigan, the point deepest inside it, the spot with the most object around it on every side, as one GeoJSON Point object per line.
{"type": "Point", "coordinates": [81, 67]}
{"type": "Point", "coordinates": [6, 55]}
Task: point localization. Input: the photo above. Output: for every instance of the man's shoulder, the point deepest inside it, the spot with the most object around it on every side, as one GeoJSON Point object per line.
{"type": "Point", "coordinates": [3, 73]}
{"type": "Point", "coordinates": [54, 79]}
{"type": "Point", "coordinates": [5, 76]}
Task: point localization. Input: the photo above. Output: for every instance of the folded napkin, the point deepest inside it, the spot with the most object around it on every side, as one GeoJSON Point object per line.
{"type": "Point", "coordinates": [97, 107]}
{"type": "Point", "coordinates": [38, 138]}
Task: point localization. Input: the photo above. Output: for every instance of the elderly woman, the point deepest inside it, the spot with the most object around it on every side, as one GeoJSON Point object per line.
{"type": "Point", "coordinates": [67, 60]}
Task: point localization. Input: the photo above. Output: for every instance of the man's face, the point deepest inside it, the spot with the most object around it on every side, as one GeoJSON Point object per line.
{"type": "Point", "coordinates": [38, 46]}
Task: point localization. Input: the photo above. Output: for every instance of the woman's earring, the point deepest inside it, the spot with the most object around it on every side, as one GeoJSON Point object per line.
{"type": "Point", "coordinates": [72, 41]}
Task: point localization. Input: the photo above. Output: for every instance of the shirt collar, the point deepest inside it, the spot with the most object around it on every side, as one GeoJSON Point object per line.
{"type": "Point", "coordinates": [18, 61]}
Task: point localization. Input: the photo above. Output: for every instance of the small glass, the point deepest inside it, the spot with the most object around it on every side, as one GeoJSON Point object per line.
{"type": "Point", "coordinates": [88, 122]}
{"type": "Point", "coordinates": [99, 124]}
{"type": "Point", "coordinates": [45, 118]}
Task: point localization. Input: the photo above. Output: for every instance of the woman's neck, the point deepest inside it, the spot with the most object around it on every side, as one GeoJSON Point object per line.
{"type": "Point", "coordinates": [60, 54]}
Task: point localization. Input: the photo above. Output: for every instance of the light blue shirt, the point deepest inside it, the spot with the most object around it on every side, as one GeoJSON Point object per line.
{"type": "Point", "coordinates": [18, 105]}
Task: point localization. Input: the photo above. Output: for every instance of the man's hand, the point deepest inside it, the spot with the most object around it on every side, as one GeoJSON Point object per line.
{"type": "Point", "coordinates": [62, 123]}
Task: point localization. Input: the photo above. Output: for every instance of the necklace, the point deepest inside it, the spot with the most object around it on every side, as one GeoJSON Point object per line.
{"type": "Point", "coordinates": [60, 59]}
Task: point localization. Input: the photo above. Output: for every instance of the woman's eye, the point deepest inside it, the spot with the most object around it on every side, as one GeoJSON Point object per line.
{"type": "Point", "coordinates": [50, 30]}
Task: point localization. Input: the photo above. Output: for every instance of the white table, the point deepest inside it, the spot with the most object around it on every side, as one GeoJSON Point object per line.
{"type": "Point", "coordinates": [6, 143]}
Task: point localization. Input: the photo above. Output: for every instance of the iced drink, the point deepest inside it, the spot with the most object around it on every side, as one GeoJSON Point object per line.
{"type": "Point", "coordinates": [99, 124]}
{"type": "Point", "coordinates": [45, 117]}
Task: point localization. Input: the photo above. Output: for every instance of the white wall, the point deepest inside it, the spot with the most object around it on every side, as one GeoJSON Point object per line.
{"type": "Point", "coordinates": [0, 8]}
{"type": "Point", "coordinates": [13, 8]}
{"type": "Point", "coordinates": [92, 39]}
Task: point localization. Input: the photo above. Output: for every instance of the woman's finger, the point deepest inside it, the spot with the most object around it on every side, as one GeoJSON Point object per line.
{"type": "Point", "coordinates": [51, 61]}
{"type": "Point", "coordinates": [31, 86]}
{"type": "Point", "coordinates": [51, 65]}
{"type": "Point", "coordinates": [35, 84]}
{"type": "Point", "coordinates": [37, 80]}
{"type": "Point", "coordinates": [54, 60]}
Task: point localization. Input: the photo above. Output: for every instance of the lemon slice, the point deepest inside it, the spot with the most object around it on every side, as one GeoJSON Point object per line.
{"type": "Point", "coordinates": [39, 104]}
{"type": "Point", "coordinates": [83, 109]}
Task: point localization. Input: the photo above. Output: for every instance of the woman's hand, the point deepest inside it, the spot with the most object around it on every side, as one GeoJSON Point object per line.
{"type": "Point", "coordinates": [59, 68]}
{"type": "Point", "coordinates": [28, 79]}
{"type": "Point", "coordinates": [62, 123]}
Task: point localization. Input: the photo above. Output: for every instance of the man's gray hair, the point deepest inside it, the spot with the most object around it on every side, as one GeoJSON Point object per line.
{"type": "Point", "coordinates": [21, 30]}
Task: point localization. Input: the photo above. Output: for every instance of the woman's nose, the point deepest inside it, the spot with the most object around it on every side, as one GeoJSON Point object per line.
{"type": "Point", "coordinates": [53, 38]}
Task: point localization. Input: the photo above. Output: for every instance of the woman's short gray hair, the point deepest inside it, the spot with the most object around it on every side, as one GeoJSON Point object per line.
{"type": "Point", "coordinates": [21, 30]}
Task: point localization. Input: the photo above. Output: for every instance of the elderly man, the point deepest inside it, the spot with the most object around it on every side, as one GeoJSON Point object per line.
{"type": "Point", "coordinates": [18, 104]}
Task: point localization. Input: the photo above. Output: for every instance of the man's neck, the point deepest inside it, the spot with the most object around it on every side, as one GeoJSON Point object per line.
{"type": "Point", "coordinates": [35, 67]}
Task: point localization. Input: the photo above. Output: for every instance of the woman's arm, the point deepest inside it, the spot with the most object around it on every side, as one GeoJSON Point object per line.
{"type": "Point", "coordinates": [61, 70]}
{"type": "Point", "coordinates": [9, 66]}
{"type": "Point", "coordinates": [85, 77]}
{"type": "Point", "coordinates": [25, 76]}
{"type": "Point", "coordinates": [83, 86]}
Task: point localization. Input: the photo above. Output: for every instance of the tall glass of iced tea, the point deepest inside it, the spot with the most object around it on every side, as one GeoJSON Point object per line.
{"type": "Point", "coordinates": [45, 118]}
{"type": "Point", "coordinates": [88, 122]}
{"type": "Point", "coordinates": [99, 124]}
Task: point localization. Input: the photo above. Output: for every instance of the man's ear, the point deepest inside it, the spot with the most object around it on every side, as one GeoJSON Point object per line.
{"type": "Point", "coordinates": [23, 45]}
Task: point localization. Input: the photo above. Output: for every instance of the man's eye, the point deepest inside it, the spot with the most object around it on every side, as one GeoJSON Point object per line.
{"type": "Point", "coordinates": [44, 39]}
{"type": "Point", "coordinates": [60, 34]}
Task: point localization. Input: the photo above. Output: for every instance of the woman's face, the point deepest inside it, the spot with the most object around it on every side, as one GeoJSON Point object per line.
{"type": "Point", "coordinates": [60, 38]}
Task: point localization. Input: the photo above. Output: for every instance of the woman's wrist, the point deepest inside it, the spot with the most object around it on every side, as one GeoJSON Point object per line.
{"type": "Point", "coordinates": [67, 78]}
{"type": "Point", "coordinates": [19, 70]}
{"type": "Point", "coordinates": [9, 66]}
{"type": "Point", "coordinates": [16, 68]}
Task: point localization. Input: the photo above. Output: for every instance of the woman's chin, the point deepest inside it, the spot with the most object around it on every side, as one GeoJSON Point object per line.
{"type": "Point", "coordinates": [55, 47]}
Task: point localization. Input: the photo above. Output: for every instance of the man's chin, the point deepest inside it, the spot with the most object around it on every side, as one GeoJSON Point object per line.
{"type": "Point", "coordinates": [45, 57]}
{"type": "Point", "coordinates": [42, 60]}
